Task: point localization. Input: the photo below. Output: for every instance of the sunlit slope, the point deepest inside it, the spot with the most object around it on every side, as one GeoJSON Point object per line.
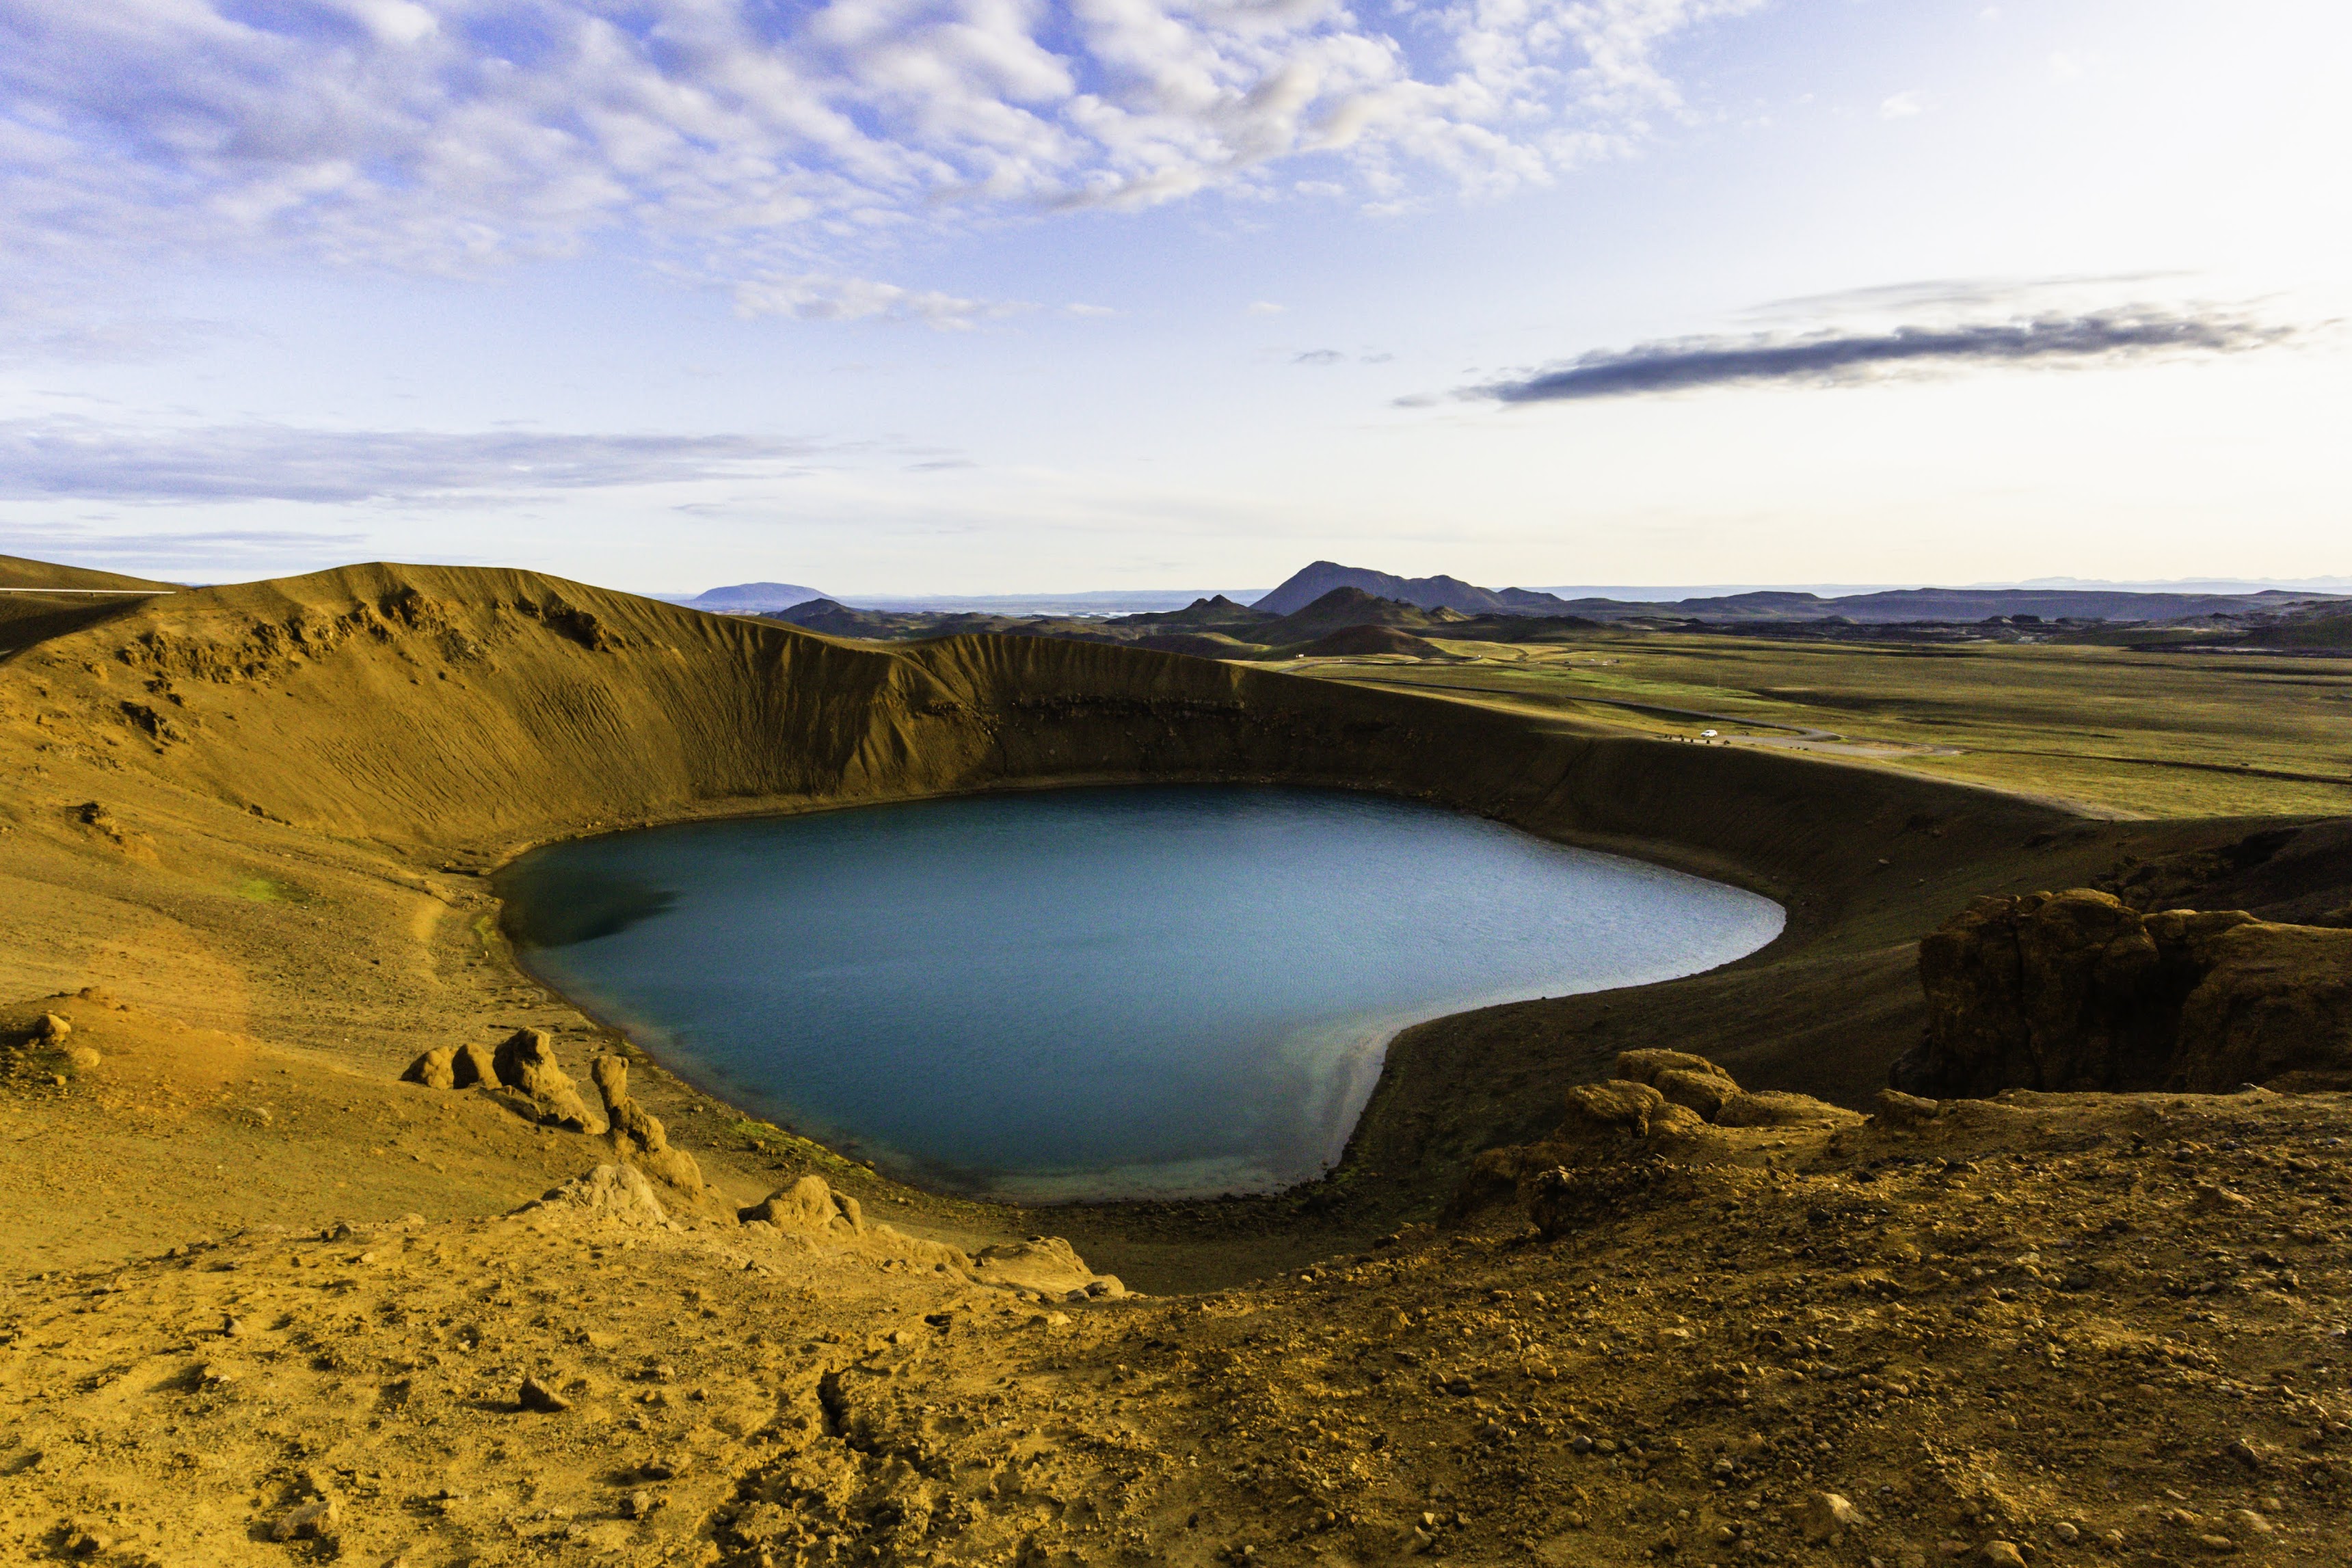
{"type": "Point", "coordinates": [16, 572]}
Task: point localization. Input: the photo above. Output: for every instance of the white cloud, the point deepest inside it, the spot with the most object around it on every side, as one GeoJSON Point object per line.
{"type": "Point", "coordinates": [815, 297]}
{"type": "Point", "coordinates": [1265, 308]}
{"type": "Point", "coordinates": [451, 133]}
{"type": "Point", "coordinates": [1901, 106]}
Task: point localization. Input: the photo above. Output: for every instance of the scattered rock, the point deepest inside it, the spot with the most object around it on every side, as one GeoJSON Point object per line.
{"type": "Point", "coordinates": [52, 1028]}
{"type": "Point", "coordinates": [82, 1058]}
{"type": "Point", "coordinates": [321, 1518]}
{"type": "Point", "coordinates": [538, 1395]}
{"type": "Point", "coordinates": [1828, 1515]}
{"type": "Point", "coordinates": [2000, 1554]}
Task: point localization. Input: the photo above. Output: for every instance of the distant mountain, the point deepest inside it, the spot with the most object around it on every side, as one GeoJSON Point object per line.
{"type": "Point", "coordinates": [1201, 614]}
{"type": "Point", "coordinates": [1305, 586]}
{"type": "Point", "coordinates": [1881, 607]}
{"type": "Point", "coordinates": [1343, 608]}
{"type": "Point", "coordinates": [754, 598]}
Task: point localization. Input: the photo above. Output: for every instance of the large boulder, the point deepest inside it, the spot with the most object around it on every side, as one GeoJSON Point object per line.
{"type": "Point", "coordinates": [2077, 991]}
{"type": "Point", "coordinates": [435, 1069]}
{"type": "Point", "coordinates": [1046, 1264]}
{"type": "Point", "coordinates": [616, 1193]}
{"type": "Point", "coordinates": [525, 1062]}
{"type": "Point", "coordinates": [807, 1208]}
{"type": "Point", "coordinates": [454, 1067]}
{"type": "Point", "coordinates": [1704, 1093]}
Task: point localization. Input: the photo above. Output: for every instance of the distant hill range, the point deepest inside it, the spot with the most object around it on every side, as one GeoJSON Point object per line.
{"type": "Point", "coordinates": [754, 598]}
{"type": "Point", "coordinates": [1891, 606]}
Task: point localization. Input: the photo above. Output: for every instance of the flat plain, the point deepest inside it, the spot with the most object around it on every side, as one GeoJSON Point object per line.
{"type": "Point", "coordinates": [2138, 734]}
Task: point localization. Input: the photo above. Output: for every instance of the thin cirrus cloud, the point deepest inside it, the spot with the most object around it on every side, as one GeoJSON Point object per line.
{"type": "Point", "coordinates": [446, 134]}
{"type": "Point", "coordinates": [1825, 359]}
{"type": "Point", "coordinates": [59, 458]}
{"type": "Point", "coordinates": [816, 298]}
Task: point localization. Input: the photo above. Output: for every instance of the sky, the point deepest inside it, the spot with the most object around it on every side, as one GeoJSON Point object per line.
{"type": "Point", "coordinates": [974, 297]}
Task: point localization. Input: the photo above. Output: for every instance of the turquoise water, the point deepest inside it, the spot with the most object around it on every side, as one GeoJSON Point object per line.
{"type": "Point", "coordinates": [1089, 993]}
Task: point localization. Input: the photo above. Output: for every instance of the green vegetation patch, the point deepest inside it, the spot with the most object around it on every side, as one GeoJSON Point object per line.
{"type": "Point", "coordinates": [270, 890]}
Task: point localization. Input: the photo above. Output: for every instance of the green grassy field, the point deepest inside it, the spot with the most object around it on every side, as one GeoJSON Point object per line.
{"type": "Point", "coordinates": [2132, 733]}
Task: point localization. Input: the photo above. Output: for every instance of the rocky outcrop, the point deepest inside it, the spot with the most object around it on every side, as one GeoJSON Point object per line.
{"type": "Point", "coordinates": [1775, 1108]}
{"type": "Point", "coordinates": [2078, 991]}
{"type": "Point", "coordinates": [637, 1135]}
{"type": "Point", "coordinates": [1658, 1106]}
{"type": "Point", "coordinates": [524, 1067]}
{"type": "Point", "coordinates": [1046, 1264]}
{"type": "Point", "coordinates": [1618, 1106]}
{"type": "Point", "coordinates": [617, 1193]}
{"type": "Point", "coordinates": [525, 1062]}
{"type": "Point", "coordinates": [812, 1213]}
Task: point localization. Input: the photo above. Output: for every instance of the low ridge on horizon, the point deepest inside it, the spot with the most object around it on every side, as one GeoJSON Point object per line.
{"type": "Point", "coordinates": [2052, 597]}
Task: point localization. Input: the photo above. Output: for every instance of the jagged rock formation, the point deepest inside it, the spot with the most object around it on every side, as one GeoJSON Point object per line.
{"type": "Point", "coordinates": [2077, 991]}
{"type": "Point", "coordinates": [637, 1135]}
{"type": "Point", "coordinates": [526, 1063]}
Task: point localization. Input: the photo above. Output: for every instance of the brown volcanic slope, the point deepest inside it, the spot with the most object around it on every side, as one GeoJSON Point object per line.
{"type": "Point", "coordinates": [39, 601]}
{"type": "Point", "coordinates": [252, 818]}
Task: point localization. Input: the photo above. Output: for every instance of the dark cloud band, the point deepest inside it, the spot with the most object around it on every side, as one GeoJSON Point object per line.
{"type": "Point", "coordinates": [1688, 363]}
